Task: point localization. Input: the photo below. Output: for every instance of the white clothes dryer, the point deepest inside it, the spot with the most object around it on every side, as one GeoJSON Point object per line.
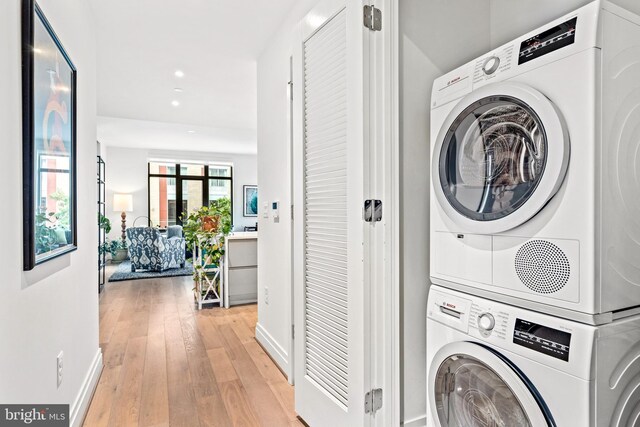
{"type": "Point", "coordinates": [535, 194]}
{"type": "Point", "coordinates": [491, 364]}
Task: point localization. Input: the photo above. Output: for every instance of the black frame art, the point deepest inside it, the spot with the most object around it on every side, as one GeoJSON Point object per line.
{"type": "Point", "coordinates": [49, 133]}
{"type": "Point", "coordinates": [245, 194]}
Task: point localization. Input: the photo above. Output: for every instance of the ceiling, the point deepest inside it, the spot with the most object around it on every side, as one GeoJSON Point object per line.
{"type": "Point", "coordinates": [215, 43]}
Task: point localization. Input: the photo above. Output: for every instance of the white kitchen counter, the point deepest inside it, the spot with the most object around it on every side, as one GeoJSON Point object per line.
{"type": "Point", "coordinates": [239, 235]}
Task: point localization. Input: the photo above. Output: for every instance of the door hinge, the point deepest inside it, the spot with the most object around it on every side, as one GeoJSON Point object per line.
{"type": "Point", "coordinates": [292, 213]}
{"type": "Point", "coordinates": [372, 210]}
{"type": "Point", "coordinates": [373, 401]}
{"type": "Point", "coordinates": [293, 331]}
{"type": "Point", "coordinates": [372, 18]}
{"type": "Point", "coordinates": [290, 83]}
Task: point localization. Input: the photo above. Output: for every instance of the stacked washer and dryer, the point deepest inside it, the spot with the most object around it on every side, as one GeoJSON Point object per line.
{"type": "Point", "coordinates": [533, 318]}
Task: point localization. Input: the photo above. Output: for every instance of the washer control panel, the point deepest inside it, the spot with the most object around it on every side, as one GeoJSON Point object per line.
{"type": "Point", "coordinates": [491, 65]}
{"type": "Point", "coordinates": [487, 67]}
{"type": "Point", "coordinates": [488, 321]}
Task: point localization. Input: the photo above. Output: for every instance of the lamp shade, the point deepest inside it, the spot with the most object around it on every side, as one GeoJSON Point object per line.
{"type": "Point", "coordinates": [122, 203]}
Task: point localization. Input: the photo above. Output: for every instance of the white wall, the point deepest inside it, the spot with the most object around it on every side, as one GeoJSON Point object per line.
{"type": "Point", "coordinates": [274, 172]}
{"type": "Point", "coordinates": [127, 173]}
{"type": "Point", "coordinates": [435, 37]}
{"type": "Point", "coordinates": [55, 306]}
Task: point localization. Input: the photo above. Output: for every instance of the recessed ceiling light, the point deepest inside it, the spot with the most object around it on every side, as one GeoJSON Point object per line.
{"type": "Point", "coordinates": [178, 89]}
{"type": "Point", "coordinates": [175, 103]}
{"type": "Point", "coordinates": [191, 131]}
{"type": "Point", "coordinates": [179, 73]}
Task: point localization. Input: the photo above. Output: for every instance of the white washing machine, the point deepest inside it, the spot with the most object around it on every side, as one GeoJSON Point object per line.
{"type": "Point", "coordinates": [535, 194]}
{"type": "Point", "coordinates": [491, 364]}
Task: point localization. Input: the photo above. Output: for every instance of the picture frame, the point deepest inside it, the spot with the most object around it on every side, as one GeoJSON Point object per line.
{"type": "Point", "coordinates": [249, 200]}
{"type": "Point", "coordinates": [49, 140]}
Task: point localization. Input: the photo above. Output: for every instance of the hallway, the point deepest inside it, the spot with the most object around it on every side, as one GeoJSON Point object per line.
{"type": "Point", "coordinates": [167, 364]}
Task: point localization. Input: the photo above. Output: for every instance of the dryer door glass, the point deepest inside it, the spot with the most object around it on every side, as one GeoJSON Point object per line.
{"type": "Point", "coordinates": [492, 158]}
{"type": "Point", "coordinates": [468, 393]}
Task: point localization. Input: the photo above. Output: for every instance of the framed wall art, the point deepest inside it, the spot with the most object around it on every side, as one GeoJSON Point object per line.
{"type": "Point", "coordinates": [49, 141]}
{"type": "Point", "coordinates": [250, 200]}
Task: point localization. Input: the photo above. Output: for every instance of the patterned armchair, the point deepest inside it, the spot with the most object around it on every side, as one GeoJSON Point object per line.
{"type": "Point", "coordinates": [151, 250]}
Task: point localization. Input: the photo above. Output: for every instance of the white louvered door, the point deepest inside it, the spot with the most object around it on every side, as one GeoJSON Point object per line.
{"type": "Point", "coordinates": [331, 361]}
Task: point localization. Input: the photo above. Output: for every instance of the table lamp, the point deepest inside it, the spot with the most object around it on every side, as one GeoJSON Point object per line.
{"type": "Point", "coordinates": [123, 203]}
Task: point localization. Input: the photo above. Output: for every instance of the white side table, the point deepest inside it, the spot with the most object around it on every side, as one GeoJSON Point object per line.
{"type": "Point", "coordinates": [211, 284]}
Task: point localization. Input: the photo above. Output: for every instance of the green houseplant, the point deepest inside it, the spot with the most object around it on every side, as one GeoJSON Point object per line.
{"type": "Point", "coordinates": [206, 229]}
{"type": "Point", "coordinates": [117, 248]}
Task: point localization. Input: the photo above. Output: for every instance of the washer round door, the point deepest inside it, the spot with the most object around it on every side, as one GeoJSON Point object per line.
{"type": "Point", "coordinates": [472, 386]}
{"type": "Point", "coordinates": [501, 154]}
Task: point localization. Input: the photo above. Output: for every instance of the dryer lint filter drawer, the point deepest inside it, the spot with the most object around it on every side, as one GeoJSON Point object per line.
{"type": "Point", "coordinates": [463, 256]}
{"type": "Point", "coordinates": [548, 268]}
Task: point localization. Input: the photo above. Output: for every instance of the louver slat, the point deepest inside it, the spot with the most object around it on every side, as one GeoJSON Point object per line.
{"type": "Point", "coordinates": [325, 209]}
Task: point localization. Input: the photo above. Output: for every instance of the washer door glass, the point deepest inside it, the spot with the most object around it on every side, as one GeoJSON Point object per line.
{"type": "Point", "coordinates": [468, 393]}
{"type": "Point", "coordinates": [492, 158]}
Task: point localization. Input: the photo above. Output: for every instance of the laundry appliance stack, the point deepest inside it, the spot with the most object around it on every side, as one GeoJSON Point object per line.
{"type": "Point", "coordinates": [534, 316]}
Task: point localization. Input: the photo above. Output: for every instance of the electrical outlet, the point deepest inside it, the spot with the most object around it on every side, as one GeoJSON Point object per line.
{"type": "Point", "coordinates": [60, 365]}
{"type": "Point", "coordinates": [266, 295]}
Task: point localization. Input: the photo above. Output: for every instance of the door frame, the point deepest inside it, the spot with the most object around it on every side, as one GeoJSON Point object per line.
{"type": "Point", "coordinates": [384, 118]}
{"type": "Point", "coordinates": [292, 224]}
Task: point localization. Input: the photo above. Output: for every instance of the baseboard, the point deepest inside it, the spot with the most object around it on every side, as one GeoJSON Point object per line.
{"type": "Point", "coordinates": [275, 350]}
{"type": "Point", "coordinates": [416, 422]}
{"type": "Point", "coordinates": [81, 405]}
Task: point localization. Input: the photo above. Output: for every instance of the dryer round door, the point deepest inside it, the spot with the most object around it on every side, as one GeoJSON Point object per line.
{"type": "Point", "coordinates": [473, 386]}
{"type": "Point", "coordinates": [501, 154]}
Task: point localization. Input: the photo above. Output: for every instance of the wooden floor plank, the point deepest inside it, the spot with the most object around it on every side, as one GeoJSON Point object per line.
{"type": "Point", "coordinates": [209, 332]}
{"type": "Point", "coordinates": [109, 319]}
{"type": "Point", "coordinates": [169, 364]}
{"type": "Point", "coordinates": [100, 410]}
{"type": "Point", "coordinates": [238, 408]}
{"type": "Point", "coordinates": [154, 407]}
{"type": "Point", "coordinates": [114, 350]}
{"type": "Point", "coordinates": [222, 367]}
{"type": "Point", "coordinates": [285, 394]}
{"type": "Point", "coordinates": [265, 365]}
{"type": "Point", "coordinates": [212, 411]}
{"type": "Point", "coordinates": [244, 333]}
{"type": "Point", "coordinates": [126, 405]}
{"type": "Point", "coordinates": [262, 399]}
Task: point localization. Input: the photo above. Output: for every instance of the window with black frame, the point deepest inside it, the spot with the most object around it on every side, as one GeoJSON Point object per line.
{"type": "Point", "coordinates": [175, 189]}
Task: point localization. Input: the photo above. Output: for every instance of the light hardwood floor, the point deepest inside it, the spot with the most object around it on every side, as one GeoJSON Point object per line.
{"type": "Point", "coordinates": [168, 364]}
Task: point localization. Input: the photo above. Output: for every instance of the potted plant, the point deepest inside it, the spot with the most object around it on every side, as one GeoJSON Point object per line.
{"type": "Point", "coordinates": [204, 231]}
{"type": "Point", "coordinates": [117, 248]}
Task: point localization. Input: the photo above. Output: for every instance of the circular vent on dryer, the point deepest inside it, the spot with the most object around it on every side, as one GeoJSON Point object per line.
{"type": "Point", "coordinates": [542, 266]}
